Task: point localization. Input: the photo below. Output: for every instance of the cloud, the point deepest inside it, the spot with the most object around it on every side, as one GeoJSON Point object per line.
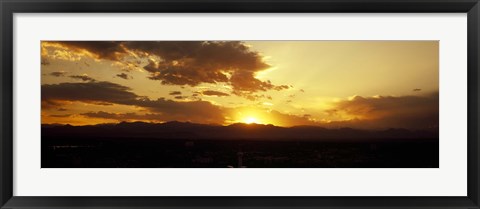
{"type": "Point", "coordinates": [60, 115]}
{"type": "Point", "coordinates": [58, 73]}
{"type": "Point", "coordinates": [187, 62]}
{"type": "Point", "coordinates": [180, 97]}
{"type": "Point", "coordinates": [215, 93]}
{"type": "Point", "coordinates": [194, 62]}
{"type": "Point", "coordinates": [290, 120]}
{"type": "Point", "coordinates": [378, 112]}
{"type": "Point", "coordinates": [193, 111]}
{"type": "Point", "coordinates": [104, 93]}
{"type": "Point", "coordinates": [91, 92]}
{"type": "Point", "coordinates": [412, 112]}
{"type": "Point", "coordinates": [110, 50]}
{"type": "Point", "coordinates": [83, 77]}
{"type": "Point", "coordinates": [44, 61]}
{"type": "Point", "coordinates": [124, 76]}
{"type": "Point", "coordinates": [175, 93]}
{"type": "Point", "coordinates": [123, 116]}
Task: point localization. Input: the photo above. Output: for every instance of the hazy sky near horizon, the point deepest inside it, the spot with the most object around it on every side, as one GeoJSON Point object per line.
{"type": "Point", "coordinates": [361, 84]}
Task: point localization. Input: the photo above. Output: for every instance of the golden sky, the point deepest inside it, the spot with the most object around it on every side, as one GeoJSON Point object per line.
{"type": "Point", "coordinates": [359, 84]}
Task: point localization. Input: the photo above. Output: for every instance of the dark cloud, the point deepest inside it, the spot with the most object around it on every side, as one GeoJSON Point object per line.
{"type": "Point", "coordinates": [82, 77]}
{"type": "Point", "coordinates": [215, 93]}
{"type": "Point", "coordinates": [180, 97]}
{"type": "Point", "coordinates": [61, 109]}
{"type": "Point", "coordinates": [413, 112]}
{"type": "Point", "coordinates": [193, 111]}
{"type": "Point", "coordinates": [110, 50]}
{"type": "Point", "coordinates": [189, 62]}
{"type": "Point", "coordinates": [124, 76]}
{"type": "Point", "coordinates": [256, 97]}
{"type": "Point", "coordinates": [244, 83]}
{"type": "Point", "coordinates": [56, 95]}
{"type": "Point", "coordinates": [44, 61]}
{"type": "Point", "coordinates": [175, 93]}
{"type": "Point", "coordinates": [51, 104]}
{"type": "Point", "coordinates": [91, 92]}
{"type": "Point", "coordinates": [61, 115]}
{"type": "Point", "coordinates": [194, 62]}
{"type": "Point", "coordinates": [122, 116]}
{"type": "Point", "coordinates": [58, 73]}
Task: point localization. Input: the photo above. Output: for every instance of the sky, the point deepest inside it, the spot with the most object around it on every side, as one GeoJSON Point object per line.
{"type": "Point", "coordinates": [357, 84]}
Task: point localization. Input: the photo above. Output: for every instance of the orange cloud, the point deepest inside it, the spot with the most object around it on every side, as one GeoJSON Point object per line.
{"type": "Point", "coordinates": [58, 73]}
{"type": "Point", "coordinates": [215, 93]}
{"type": "Point", "coordinates": [123, 116]}
{"type": "Point", "coordinates": [82, 77]}
{"type": "Point", "coordinates": [412, 112]}
{"type": "Point", "coordinates": [124, 76]}
{"type": "Point", "coordinates": [110, 50]}
{"type": "Point", "coordinates": [105, 93]}
{"type": "Point", "coordinates": [183, 62]}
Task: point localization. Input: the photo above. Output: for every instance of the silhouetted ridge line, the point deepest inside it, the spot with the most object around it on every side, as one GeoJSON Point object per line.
{"type": "Point", "coordinates": [187, 130]}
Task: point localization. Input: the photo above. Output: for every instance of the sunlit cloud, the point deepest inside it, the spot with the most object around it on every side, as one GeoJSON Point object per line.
{"type": "Point", "coordinates": [124, 76]}
{"type": "Point", "coordinates": [58, 73]}
{"type": "Point", "coordinates": [215, 93]}
{"type": "Point", "coordinates": [226, 82]}
{"type": "Point", "coordinates": [388, 111]}
{"type": "Point", "coordinates": [178, 63]}
{"type": "Point", "coordinates": [83, 77]}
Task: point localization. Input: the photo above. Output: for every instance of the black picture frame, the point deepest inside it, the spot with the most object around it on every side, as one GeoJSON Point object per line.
{"type": "Point", "coordinates": [9, 7]}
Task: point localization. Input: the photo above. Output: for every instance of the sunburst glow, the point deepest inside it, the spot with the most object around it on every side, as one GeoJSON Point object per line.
{"type": "Point", "coordinates": [251, 120]}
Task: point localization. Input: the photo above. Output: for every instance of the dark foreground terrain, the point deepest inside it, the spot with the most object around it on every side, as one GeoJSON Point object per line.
{"type": "Point", "coordinates": [179, 145]}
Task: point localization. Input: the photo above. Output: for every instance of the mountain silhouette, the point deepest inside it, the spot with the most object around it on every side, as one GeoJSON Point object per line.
{"type": "Point", "coordinates": [187, 130]}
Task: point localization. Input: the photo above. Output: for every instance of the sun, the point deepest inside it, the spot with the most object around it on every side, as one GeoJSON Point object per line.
{"type": "Point", "coordinates": [251, 120]}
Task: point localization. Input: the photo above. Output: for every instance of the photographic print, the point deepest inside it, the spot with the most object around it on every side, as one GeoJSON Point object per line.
{"type": "Point", "coordinates": [239, 104]}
